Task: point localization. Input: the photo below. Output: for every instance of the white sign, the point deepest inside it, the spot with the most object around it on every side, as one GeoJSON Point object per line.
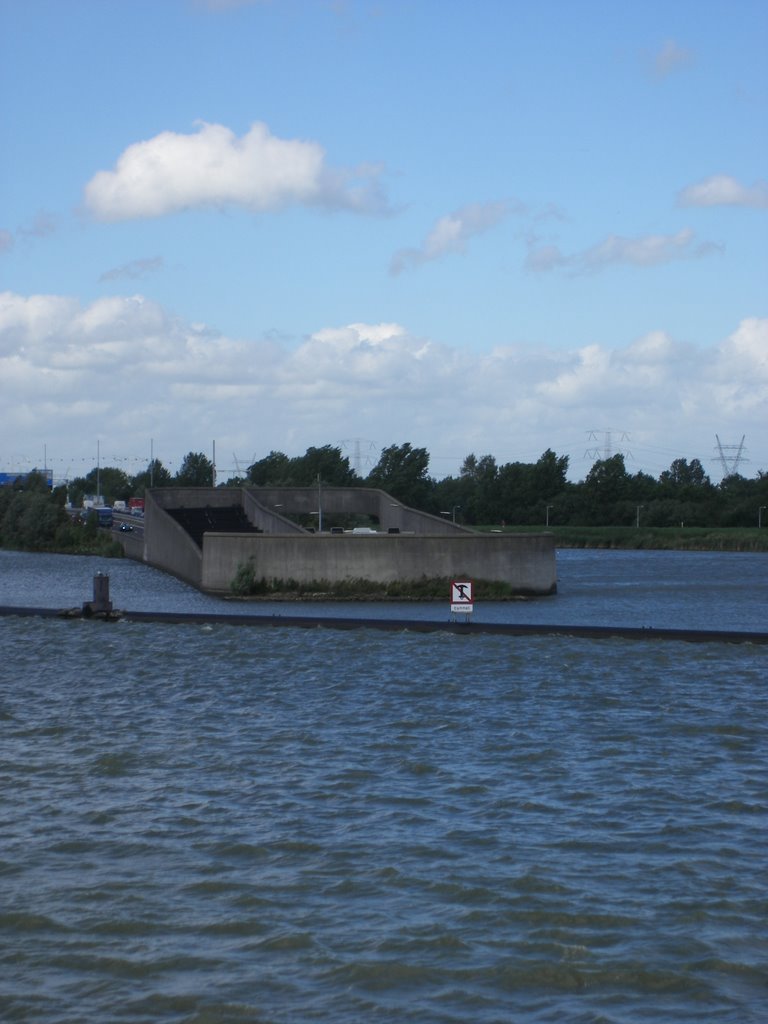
{"type": "Point", "coordinates": [461, 597]}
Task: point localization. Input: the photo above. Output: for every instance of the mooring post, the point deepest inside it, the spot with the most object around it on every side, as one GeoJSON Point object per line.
{"type": "Point", "coordinates": [101, 602]}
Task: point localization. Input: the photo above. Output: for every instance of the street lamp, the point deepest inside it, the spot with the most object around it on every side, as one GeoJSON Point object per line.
{"type": "Point", "coordinates": [452, 513]}
{"type": "Point", "coordinates": [547, 513]}
{"type": "Point", "coordinates": [637, 515]}
{"type": "Point", "coordinates": [760, 516]}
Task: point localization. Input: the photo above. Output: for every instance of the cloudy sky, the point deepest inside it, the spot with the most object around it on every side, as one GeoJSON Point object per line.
{"type": "Point", "coordinates": [493, 227]}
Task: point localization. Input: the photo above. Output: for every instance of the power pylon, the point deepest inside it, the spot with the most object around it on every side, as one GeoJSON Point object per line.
{"type": "Point", "coordinates": [362, 457]}
{"type": "Point", "coordinates": [609, 446]}
{"type": "Point", "coordinates": [730, 456]}
{"type": "Point", "coordinates": [238, 464]}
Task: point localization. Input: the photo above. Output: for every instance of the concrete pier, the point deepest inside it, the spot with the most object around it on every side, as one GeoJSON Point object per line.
{"type": "Point", "coordinates": [478, 629]}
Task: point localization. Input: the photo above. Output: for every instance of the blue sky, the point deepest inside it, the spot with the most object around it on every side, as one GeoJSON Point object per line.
{"type": "Point", "coordinates": [496, 227]}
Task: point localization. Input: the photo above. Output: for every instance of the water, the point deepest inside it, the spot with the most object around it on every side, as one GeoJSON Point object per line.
{"type": "Point", "coordinates": [208, 825]}
{"type": "Point", "coordinates": [662, 589]}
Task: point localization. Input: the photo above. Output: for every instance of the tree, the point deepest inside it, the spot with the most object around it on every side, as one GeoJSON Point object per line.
{"type": "Point", "coordinates": [549, 475]}
{"type": "Point", "coordinates": [107, 481]}
{"type": "Point", "coordinates": [685, 474]}
{"type": "Point", "coordinates": [155, 475]}
{"type": "Point", "coordinates": [468, 494]}
{"type": "Point", "coordinates": [274, 470]}
{"type": "Point", "coordinates": [114, 484]}
{"type": "Point", "coordinates": [31, 520]}
{"type": "Point", "coordinates": [481, 503]}
{"type": "Point", "coordinates": [606, 489]}
{"type": "Point", "coordinates": [327, 463]}
{"type": "Point", "coordinates": [196, 471]}
{"type": "Point", "coordinates": [517, 493]}
{"type": "Point", "coordinates": [402, 472]}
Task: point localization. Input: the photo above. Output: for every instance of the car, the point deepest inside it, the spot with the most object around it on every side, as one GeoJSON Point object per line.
{"type": "Point", "coordinates": [125, 528]}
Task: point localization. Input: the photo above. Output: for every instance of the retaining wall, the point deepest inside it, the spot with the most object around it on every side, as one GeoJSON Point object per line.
{"type": "Point", "coordinates": [525, 561]}
{"type": "Point", "coordinates": [346, 501]}
{"type": "Point", "coordinates": [437, 547]}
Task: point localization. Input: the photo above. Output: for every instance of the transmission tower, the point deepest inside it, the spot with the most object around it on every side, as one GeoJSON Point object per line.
{"type": "Point", "coordinates": [363, 454]}
{"type": "Point", "coordinates": [609, 446]}
{"type": "Point", "coordinates": [239, 467]}
{"type": "Point", "coordinates": [730, 456]}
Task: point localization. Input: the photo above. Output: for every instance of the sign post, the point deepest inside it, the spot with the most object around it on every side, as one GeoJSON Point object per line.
{"type": "Point", "coordinates": [462, 602]}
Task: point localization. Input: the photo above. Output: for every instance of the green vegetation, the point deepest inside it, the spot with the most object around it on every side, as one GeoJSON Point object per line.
{"type": "Point", "coordinates": [656, 538]}
{"type": "Point", "coordinates": [610, 507]}
{"type": "Point", "coordinates": [115, 485]}
{"type": "Point", "coordinates": [536, 494]}
{"type": "Point", "coordinates": [33, 518]}
{"type": "Point", "coordinates": [247, 585]}
{"type": "Point", "coordinates": [484, 492]}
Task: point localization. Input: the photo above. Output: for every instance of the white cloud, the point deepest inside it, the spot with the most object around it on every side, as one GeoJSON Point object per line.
{"type": "Point", "coordinates": [214, 168]}
{"type": "Point", "coordinates": [451, 234]}
{"type": "Point", "coordinates": [723, 190]}
{"type": "Point", "coordinates": [123, 370]}
{"type": "Point", "coordinates": [643, 251]}
{"type": "Point", "coordinates": [670, 58]}
{"type": "Point", "coordinates": [739, 376]}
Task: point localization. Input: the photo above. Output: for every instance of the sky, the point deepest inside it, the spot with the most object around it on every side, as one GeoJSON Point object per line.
{"type": "Point", "coordinates": [499, 227]}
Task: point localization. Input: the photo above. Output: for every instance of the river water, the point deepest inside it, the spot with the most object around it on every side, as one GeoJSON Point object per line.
{"type": "Point", "coordinates": [215, 824]}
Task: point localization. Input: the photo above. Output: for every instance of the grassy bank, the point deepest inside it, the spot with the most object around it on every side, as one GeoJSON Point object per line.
{"type": "Point", "coordinates": [247, 585]}
{"type": "Point", "coordinates": [659, 538]}
{"type": "Point", "coordinates": [73, 543]}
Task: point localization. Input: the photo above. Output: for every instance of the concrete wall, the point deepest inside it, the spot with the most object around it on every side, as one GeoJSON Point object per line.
{"type": "Point", "coordinates": [167, 545]}
{"type": "Point", "coordinates": [431, 546]}
{"type": "Point", "coordinates": [525, 561]}
{"type": "Point", "coordinates": [363, 501]}
{"type": "Point", "coordinates": [193, 497]}
{"type": "Point", "coordinates": [265, 516]}
{"type": "Point", "coordinates": [133, 544]}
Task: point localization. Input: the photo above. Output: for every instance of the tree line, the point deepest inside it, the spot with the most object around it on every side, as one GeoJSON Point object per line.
{"type": "Point", "coordinates": [33, 518]}
{"type": "Point", "coordinates": [484, 493]}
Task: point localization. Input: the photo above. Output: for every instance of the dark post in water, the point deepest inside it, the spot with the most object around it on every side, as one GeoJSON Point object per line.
{"type": "Point", "coordinates": [100, 602]}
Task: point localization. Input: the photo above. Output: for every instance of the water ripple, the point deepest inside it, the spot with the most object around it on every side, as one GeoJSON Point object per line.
{"type": "Point", "coordinates": [278, 827]}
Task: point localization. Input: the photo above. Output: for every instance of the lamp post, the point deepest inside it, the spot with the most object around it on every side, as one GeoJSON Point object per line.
{"type": "Point", "coordinates": [452, 513]}
{"type": "Point", "coordinates": [760, 516]}
{"type": "Point", "coordinates": [637, 515]}
{"type": "Point", "coordinates": [547, 513]}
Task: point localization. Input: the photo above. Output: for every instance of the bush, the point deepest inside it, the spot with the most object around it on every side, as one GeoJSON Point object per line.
{"type": "Point", "coordinates": [247, 584]}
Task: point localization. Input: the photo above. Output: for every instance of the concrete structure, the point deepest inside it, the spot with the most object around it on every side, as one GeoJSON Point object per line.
{"type": "Point", "coordinates": [409, 545]}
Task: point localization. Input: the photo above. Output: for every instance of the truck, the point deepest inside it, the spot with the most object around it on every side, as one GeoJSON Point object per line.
{"type": "Point", "coordinates": [101, 513]}
{"type": "Point", "coordinates": [136, 506]}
